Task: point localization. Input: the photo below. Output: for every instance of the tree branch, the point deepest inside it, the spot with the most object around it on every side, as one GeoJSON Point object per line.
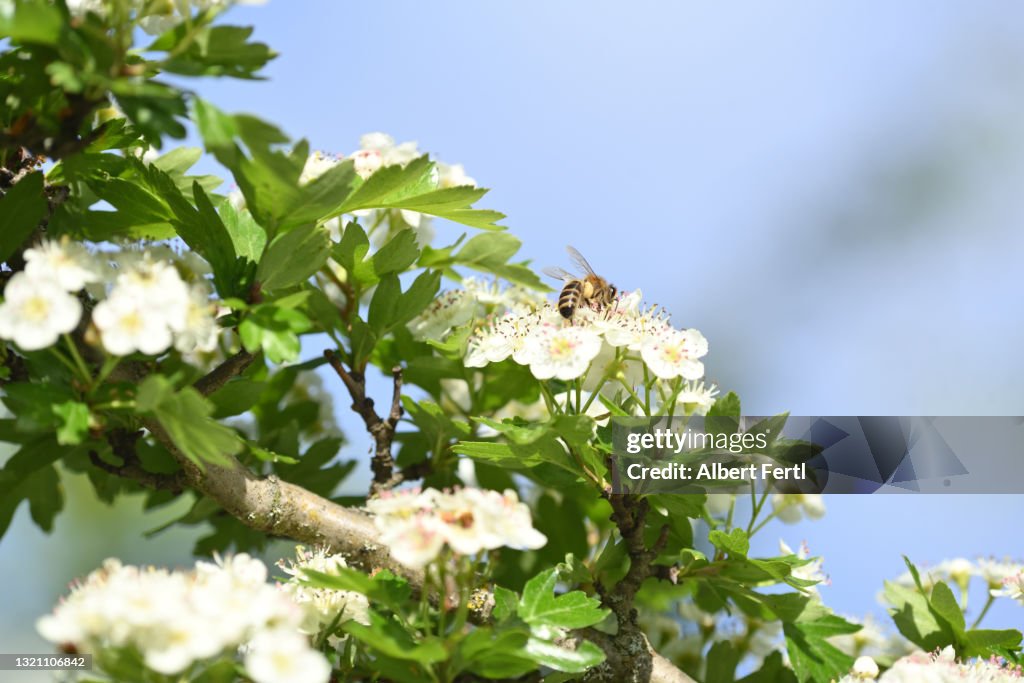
{"type": "Point", "coordinates": [382, 431]}
{"type": "Point", "coordinates": [220, 375]}
{"type": "Point", "coordinates": [630, 651]}
{"type": "Point", "coordinates": [279, 508]}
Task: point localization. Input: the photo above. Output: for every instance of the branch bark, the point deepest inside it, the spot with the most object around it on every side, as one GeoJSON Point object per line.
{"type": "Point", "coordinates": [382, 430]}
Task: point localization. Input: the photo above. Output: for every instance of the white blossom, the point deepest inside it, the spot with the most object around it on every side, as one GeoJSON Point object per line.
{"type": "Point", "coordinates": [285, 657]}
{"type": "Point", "coordinates": [994, 571]}
{"type": "Point", "coordinates": [67, 263]}
{"type": "Point", "coordinates": [1013, 587]}
{"type": "Point", "coordinates": [563, 353]}
{"type": "Point", "coordinates": [453, 175]}
{"type": "Point", "coordinates": [792, 507]}
{"type": "Point", "coordinates": [316, 165]}
{"type": "Point", "coordinates": [127, 324]}
{"type": "Point", "coordinates": [156, 284]}
{"type": "Point", "coordinates": [696, 398]}
{"type": "Point", "coordinates": [865, 668]}
{"type": "Point", "coordinates": [200, 331]}
{"type": "Point", "coordinates": [448, 310]}
{"type": "Point", "coordinates": [417, 525]}
{"type": "Point", "coordinates": [674, 354]}
{"type": "Point", "coordinates": [36, 311]}
{"type": "Point", "coordinates": [941, 667]}
{"type": "Point", "coordinates": [175, 618]}
{"type": "Point", "coordinates": [323, 606]}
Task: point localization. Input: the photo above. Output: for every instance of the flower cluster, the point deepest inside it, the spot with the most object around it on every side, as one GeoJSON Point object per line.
{"type": "Point", "coordinates": [940, 667]}
{"type": "Point", "coordinates": [872, 640]}
{"type": "Point", "coordinates": [40, 302]}
{"type": "Point", "coordinates": [554, 347]}
{"type": "Point", "coordinates": [475, 299]}
{"type": "Point", "coordinates": [792, 507]}
{"type": "Point", "coordinates": [417, 525]}
{"type": "Point", "coordinates": [1013, 587]}
{"type": "Point", "coordinates": [173, 620]}
{"type": "Point", "coordinates": [145, 304]}
{"type": "Point", "coordinates": [323, 606]}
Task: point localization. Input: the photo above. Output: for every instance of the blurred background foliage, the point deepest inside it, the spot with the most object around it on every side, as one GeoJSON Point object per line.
{"type": "Point", "coordinates": [830, 192]}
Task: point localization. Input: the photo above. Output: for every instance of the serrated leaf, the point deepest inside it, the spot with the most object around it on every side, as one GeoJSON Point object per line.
{"type": "Point", "coordinates": [21, 209]}
{"type": "Point", "coordinates": [549, 654]}
{"type": "Point", "coordinates": [389, 637]}
{"type": "Point", "coordinates": [293, 257]}
{"type": "Point", "coordinates": [540, 607]}
{"type": "Point", "coordinates": [185, 416]}
{"type": "Point", "coordinates": [914, 618]}
{"type": "Point", "coordinates": [399, 253]}
{"type": "Point", "coordinates": [735, 542]}
{"type": "Point", "coordinates": [946, 607]}
{"type": "Point", "coordinates": [274, 330]}
{"type": "Point", "coordinates": [74, 419]}
{"type": "Point", "coordinates": [214, 51]}
{"type": "Point", "coordinates": [505, 603]}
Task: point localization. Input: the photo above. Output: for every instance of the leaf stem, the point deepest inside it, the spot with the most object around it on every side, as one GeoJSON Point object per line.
{"type": "Point", "coordinates": [984, 611]}
{"type": "Point", "coordinates": [77, 357]}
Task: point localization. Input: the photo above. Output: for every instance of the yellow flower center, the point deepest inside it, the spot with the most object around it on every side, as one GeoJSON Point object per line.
{"type": "Point", "coordinates": [672, 353]}
{"type": "Point", "coordinates": [561, 348]}
{"type": "Point", "coordinates": [37, 308]}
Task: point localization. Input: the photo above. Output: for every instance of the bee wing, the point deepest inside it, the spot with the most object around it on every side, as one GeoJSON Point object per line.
{"type": "Point", "coordinates": [578, 259]}
{"type": "Point", "coordinates": [558, 273]}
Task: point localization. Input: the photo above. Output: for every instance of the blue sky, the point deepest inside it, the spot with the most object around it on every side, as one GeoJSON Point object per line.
{"type": "Point", "coordinates": [830, 192]}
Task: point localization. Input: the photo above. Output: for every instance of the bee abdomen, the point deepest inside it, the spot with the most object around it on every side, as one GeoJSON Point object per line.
{"type": "Point", "coordinates": [569, 298]}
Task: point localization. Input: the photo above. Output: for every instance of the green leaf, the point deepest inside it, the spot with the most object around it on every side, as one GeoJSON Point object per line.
{"type": "Point", "coordinates": [215, 51]}
{"type": "Point", "coordinates": [540, 607]}
{"type": "Point", "coordinates": [178, 160]}
{"type": "Point", "coordinates": [267, 177]}
{"type": "Point", "coordinates": [204, 231]}
{"type": "Point", "coordinates": [398, 254]}
{"type": "Point", "coordinates": [382, 315]}
{"type": "Point", "coordinates": [914, 618]}
{"type": "Point", "coordinates": [21, 209]}
{"type": "Point", "coordinates": [722, 659]}
{"type": "Point", "coordinates": [812, 656]}
{"type": "Point", "coordinates": [247, 238]}
{"type": "Point", "coordinates": [945, 605]}
{"type": "Point", "coordinates": [773, 670]}
{"type": "Point", "coordinates": [384, 588]}
{"type": "Point", "coordinates": [185, 416]}
{"type": "Point", "coordinates": [416, 299]}
{"type": "Point", "coordinates": [389, 637]}
{"type": "Point", "coordinates": [559, 658]}
{"type": "Point", "coordinates": [986, 642]}
{"type": "Point", "coordinates": [391, 184]}
{"type": "Point", "coordinates": [505, 603]}
{"type": "Point", "coordinates": [413, 187]}
{"type": "Point", "coordinates": [728, 405]}
{"type": "Point", "coordinates": [31, 22]}
{"type": "Point", "coordinates": [495, 654]}
{"type": "Point", "coordinates": [735, 542]}
{"type": "Point", "coordinates": [74, 418]}
{"type": "Point", "coordinates": [30, 475]}
{"type": "Point", "coordinates": [350, 253]}
{"type": "Point", "coordinates": [274, 330]}
{"type": "Point", "coordinates": [293, 257]}
{"type": "Point", "coordinates": [235, 397]}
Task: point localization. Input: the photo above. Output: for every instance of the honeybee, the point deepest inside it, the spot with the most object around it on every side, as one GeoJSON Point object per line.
{"type": "Point", "coordinates": [590, 289]}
